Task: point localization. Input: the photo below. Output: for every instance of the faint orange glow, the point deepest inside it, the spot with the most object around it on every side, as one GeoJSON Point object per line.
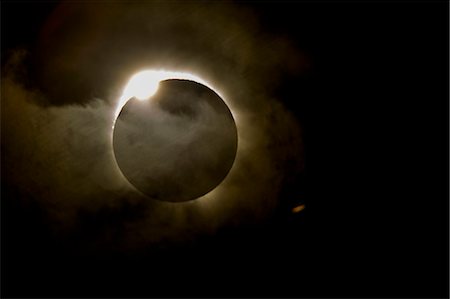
{"type": "Point", "coordinates": [298, 208]}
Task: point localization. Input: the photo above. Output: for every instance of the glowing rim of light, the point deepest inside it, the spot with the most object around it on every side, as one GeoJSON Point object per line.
{"type": "Point", "coordinates": [151, 80]}
{"type": "Point", "coordinates": [133, 89]}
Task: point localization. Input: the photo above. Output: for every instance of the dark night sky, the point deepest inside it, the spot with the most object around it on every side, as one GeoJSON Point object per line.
{"type": "Point", "coordinates": [373, 108]}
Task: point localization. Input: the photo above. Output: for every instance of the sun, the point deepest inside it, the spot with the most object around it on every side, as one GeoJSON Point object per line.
{"type": "Point", "coordinates": [144, 84]}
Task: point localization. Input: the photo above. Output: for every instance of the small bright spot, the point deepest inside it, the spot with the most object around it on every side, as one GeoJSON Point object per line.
{"type": "Point", "coordinates": [143, 85]}
{"type": "Point", "coordinates": [298, 208]}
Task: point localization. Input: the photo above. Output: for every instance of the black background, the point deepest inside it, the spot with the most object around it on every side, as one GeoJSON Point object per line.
{"type": "Point", "coordinates": [373, 106]}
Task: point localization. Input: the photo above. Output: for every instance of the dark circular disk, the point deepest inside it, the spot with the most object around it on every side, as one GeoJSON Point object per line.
{"type": "Point", "coordinates": [179, 144]}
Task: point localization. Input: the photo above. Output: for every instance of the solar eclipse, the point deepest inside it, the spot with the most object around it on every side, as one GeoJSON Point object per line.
{"type": "Point", "coordinates": [180, 121]}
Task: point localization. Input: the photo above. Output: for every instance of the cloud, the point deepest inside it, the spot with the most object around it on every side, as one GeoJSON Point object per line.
{"type": "Point", "coordinates": [56, 133]}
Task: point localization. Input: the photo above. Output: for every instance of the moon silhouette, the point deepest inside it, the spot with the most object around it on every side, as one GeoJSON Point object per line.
{"type": "Point", "coordinates": [179, 144]}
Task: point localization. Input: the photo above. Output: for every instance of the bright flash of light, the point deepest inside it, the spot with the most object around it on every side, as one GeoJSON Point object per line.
{"type": "Point", "coordinates": [144, 85]}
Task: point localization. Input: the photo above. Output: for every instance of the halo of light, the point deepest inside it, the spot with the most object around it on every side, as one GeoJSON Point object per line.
{"type": "Point", "coordinates": [143, 85]}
